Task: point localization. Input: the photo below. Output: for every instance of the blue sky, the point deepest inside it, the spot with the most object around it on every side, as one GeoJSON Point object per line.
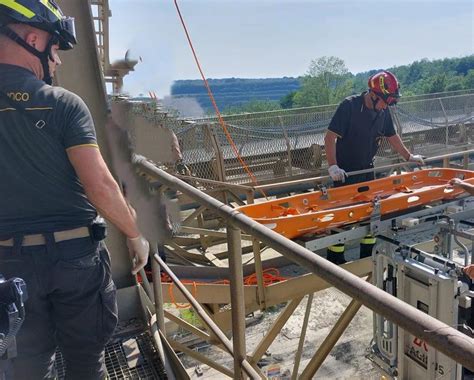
{"type": "Point", "coordinates": [275, 38]}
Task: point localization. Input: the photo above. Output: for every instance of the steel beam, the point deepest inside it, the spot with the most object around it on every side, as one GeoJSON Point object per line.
{"type": "Point", "coordinates": [200, 357]}
{"type": "Point", "coordinates": [257, 255]}
{"type": "Point", "coordinates": [299, 351]}
{"type": "Point", "coordinates": [187, 326]}
{"type": "Point", "coordinates": [332, 338]}
{"type": "Point", "coordinates": [237, 299]}
{"type": "Point", "coordinates": [158, 294]}
{"type": "Point", "coordinates": [274, 330]}
{"type": "Point", "coordinates": [205, 318]}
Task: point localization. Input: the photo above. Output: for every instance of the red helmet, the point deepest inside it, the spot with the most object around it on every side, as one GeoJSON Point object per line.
{"type": "Point", "coordinates": [385, 85]}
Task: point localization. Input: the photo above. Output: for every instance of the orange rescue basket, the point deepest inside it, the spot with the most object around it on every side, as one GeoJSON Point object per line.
{"type": "Point", "coordinates": [316, 212]}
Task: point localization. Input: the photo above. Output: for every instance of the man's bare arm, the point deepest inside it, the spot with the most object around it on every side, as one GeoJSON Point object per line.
{"type": "Point", "coordinates": [398, 145]}
{"type": "Point", "coordinates": [101, 188]}
{"type": "Point", "coordinates": [469, 270]}
{"type": "Point", "coordinates": [330, 147]}
{"type": "Point", "coordinates": [466, 186]}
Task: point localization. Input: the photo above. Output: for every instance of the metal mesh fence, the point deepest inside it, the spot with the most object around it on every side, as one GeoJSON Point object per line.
{"type": "Point", "coordinates": [288, 144]}
{"type": "Point", "coordinates": [435, 125]}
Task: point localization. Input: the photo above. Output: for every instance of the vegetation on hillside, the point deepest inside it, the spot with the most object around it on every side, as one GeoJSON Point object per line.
{"type": "Point", "coordinates": [327, 81]}
{"type": "Point", "coordinates": [233, 93]}
{"type": "Point", "coordinates": [426, 77]}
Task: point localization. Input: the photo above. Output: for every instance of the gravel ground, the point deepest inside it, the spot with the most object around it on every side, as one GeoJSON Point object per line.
{"type": "Point", "coordinates": [347, 359]}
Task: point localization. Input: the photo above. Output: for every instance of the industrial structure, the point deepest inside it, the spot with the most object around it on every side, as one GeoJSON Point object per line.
{"type": "Point", "coordinates": [420, 299]}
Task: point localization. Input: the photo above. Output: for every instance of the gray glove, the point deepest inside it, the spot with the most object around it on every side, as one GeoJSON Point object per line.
{"type": "Point", "coordinates": [336, 173]}
{"type": "Point", "coordinates": [417, 159]}
{"type": "Point", "coordinates": [139, 249]}
{"type": "Point", "coordinates": [182, 169]}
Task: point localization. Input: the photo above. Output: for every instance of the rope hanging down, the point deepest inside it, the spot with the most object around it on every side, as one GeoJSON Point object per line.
{"type": "Point", "coordinates": [211, 97]}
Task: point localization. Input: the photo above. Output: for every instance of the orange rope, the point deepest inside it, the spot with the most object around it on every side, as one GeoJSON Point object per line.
{"type": "Point", "coordinates": [172, 299]}
{"type": "Point", "coordinates": [270, 276]}
{"type": "Point", "coordinates": [214, 104]}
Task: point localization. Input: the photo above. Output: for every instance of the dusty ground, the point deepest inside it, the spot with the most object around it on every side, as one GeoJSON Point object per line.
{"type": "Point", "coordinates": [347, 359]}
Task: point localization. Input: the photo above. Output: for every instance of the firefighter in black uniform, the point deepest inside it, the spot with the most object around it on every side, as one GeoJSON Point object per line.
{"type": "Point", "coordinates": [54, 180]}
{"type": "Point", "coordinates": [353, 137]}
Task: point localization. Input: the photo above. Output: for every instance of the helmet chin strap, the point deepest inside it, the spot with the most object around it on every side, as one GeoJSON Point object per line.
{"type": "Point", "coordinates": [44, 56]}
{"type": "Point", "coordinates": [375, 102]}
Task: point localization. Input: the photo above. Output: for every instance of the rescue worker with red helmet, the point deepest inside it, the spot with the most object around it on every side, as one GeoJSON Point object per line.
{"type": "Point", "coordinates": [354, 135]}
{"type": "Point", "coordinates": [54, 180]}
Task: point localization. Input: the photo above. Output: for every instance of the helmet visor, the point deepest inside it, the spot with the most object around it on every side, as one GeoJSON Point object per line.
{"type": "Point", "coordinates": [391, 100]}
{"type": "Point", "coordinates": [67, 33]}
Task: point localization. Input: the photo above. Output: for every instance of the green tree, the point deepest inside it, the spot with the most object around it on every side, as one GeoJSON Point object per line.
{"type": "Point", "coordinates": [327, 81]}
{"type": "Point", "coordinates": [313, 92]}
{"type": "Point", "coordinates": [415, 72]}
{"type": "Point", "coordinates": [469, 79]}
{"type": "Point", "coordinates": [288, 100]}
{"type": "Point", "coordinates": [436, 83]}
{"type": "Point", "coordinates": [455, 83]}
{"type": "Point", "coordinates": [253, 106]}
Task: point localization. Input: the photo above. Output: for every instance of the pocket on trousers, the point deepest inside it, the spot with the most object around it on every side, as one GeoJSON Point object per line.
{"type": "Point", "coordinates": [84, 262]}
{"type": "Point", "coordinates": [108, 316]}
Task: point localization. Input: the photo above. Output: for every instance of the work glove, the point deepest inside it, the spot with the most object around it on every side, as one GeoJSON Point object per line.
{"type": "Point", "coordinates": [417, 159]}
{"type": "Point", "coordinates": [182, 169]}
{"type": "Point", "coordinates": [138, 248]}
{"type": "Point", "coordinates": [336, 173]}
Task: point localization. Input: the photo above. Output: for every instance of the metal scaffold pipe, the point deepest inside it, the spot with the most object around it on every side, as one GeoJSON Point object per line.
{"type": "Point", "coordinates": [437, 334]}
{"type": "Point", "coordinates": [376, 169]}
{"type": "Point", "coordinates": [243, 363]}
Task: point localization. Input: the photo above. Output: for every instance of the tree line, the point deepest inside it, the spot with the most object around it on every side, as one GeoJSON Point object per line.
{"type": "Point", "coordinates": [328, 81]}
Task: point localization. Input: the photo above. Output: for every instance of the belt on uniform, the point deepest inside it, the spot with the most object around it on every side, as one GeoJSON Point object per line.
{"type": "Point", "coordinates": [39, 239]}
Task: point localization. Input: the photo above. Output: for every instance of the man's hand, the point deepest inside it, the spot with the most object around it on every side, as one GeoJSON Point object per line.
{"type": "Point", "coordinates": [336, 173]}
{"type": "Point", "coordinates": [469, 270]}
{"type": "Point", "coordinates": [182, 169]}
{"type": "Point", "coordinates": [139, 249]}
{"type": "Point", "coordinates": [455, 182]}
{"type": "Point", "coordinates": [417, 159]}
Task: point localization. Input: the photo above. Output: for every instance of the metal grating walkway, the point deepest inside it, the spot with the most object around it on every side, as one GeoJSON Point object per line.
{"type": "Point", "coordinates": [123, 363]}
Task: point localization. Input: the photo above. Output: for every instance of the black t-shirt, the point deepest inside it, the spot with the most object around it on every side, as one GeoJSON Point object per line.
{"type": "Point", "coordinates": [359, 132]}
{"type": "Point", "coordinates": [39, 188]}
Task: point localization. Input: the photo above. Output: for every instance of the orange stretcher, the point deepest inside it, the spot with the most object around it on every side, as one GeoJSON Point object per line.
{"type": "Point", "coordinates": [318, 211]}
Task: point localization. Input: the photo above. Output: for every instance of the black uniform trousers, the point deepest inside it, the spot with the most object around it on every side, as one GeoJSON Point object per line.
{"type": "Point", "coordinates": [335, 253]}
{"type": "Point", "coordinates": [71, 305]}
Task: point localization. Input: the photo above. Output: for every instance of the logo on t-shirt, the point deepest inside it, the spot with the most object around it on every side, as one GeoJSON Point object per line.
{"type": "Point", "coordinates": [19, 96]}
{"type": "Point", "coordinates": [40, 124]}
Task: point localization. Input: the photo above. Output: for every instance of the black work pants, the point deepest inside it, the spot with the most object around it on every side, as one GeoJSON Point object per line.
{"type": "Point", "coordinates": [71, 305]}
{"type": "Point", "coordinates": [335, 253]}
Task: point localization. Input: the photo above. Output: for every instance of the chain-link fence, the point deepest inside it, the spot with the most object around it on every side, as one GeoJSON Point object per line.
{"type": "Point", "coordinates": [288, 144]}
